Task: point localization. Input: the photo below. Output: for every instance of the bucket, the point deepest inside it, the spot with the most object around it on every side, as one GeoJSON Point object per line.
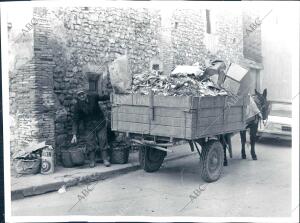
{"type": "Point", "coordinates": [47, 160]}
{"type": "Point", "coordinates": [73, 155]}
{"type": "Point", "coordinates": [66, 159]}
{"type": "Point", "coordinates": [77, 156]}
{"type": "Point", "coordinates": [119, 155]}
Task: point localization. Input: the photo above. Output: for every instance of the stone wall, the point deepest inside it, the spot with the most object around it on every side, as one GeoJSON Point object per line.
{"type": "Point", "coordinates": [87, 40]}
{"type": "Point", "coordinates": [252, 36]}
{"type": "Point", "coordinates": [187, 36]}
{"type": "Point", "coordinates": [191, 42]}
{"type": "Point", "coordinates": [165, 42]}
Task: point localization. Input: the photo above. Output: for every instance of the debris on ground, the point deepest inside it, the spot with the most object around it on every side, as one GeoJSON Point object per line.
{"type": "Point", "coordinates": [62, 189]}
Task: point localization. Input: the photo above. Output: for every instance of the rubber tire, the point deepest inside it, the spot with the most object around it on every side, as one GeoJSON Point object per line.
{"type": "Point", "coordinates": [208, 149]}
{"type": "Point", "coordinates": [146, 158]}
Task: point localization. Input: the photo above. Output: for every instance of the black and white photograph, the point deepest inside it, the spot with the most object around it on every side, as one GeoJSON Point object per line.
{"type": "Point", "coordinates": [150, 111]}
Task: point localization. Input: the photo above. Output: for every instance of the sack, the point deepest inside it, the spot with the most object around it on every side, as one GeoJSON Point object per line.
{"type": "Point", "coordinates": [74, 155]}
{"type": "Point", "coordinates": [251, 109]}
{"type": "Point", "coordinates": [120, 76]}
{"type": "Point", "coordinates": [66, 159]}
{"type": "Point", "coordinates": [23, 166]}
{"type": "Point", "coordinates": [77, 156]}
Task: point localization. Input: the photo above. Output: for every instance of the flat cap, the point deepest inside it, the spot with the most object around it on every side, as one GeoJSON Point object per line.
{"type": "Point", "coordinates": [80, 91]}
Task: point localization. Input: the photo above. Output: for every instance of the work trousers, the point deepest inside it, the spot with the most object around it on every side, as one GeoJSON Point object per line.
{"type": "Point", "coordinates": [94, 135]}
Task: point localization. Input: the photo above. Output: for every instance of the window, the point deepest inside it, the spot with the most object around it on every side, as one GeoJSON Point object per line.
{"type": "Point", "coordinates": [93, 86]}
{"type": "Point", "coordinates": [208, 22]}
{"type": "Point", "coordinates": [93, 80]}
{"type": "Point", "coordinates": [155, 67]}
{"type": "Point", "coordinates": [176, 25]}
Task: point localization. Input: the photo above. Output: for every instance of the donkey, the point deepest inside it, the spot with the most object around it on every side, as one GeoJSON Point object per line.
{"type": "Point", "coordinates": [252, 124]}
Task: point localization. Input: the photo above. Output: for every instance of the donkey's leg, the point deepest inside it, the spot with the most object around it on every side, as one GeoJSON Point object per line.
{"type": "Point", "coordinates": [243, 141]}
{"type": "Point", "coordinates": [228, 140]}
{"type": "Point", "coordinates": [253, 131]}
{"type": "Point", "coordinates": [225, 157]}
{"type": "Point", "coordinates": [223, 142]}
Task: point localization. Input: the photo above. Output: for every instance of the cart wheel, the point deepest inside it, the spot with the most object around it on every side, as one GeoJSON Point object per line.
{"type": "Point", "coordinates": [151, 158]}
{"type": "Point", "coordinates": [212, 158]}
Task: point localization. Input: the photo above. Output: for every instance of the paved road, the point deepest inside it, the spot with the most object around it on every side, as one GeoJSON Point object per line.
{"type": "Point", "coordinates": [247, 188]}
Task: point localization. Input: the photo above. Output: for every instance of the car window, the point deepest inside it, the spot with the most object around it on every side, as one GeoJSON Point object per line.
{"type": "Point", "coordinates": [282, 110]}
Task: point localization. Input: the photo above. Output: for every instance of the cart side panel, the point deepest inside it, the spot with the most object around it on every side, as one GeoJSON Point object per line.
{"type": "Point", "coordinates": [166, 121]}
{"type": "Point", "coordinates": [152, 129]}
{"type": "Point", "coordinates": [160, 101]}
{"type": "Point", "coordinates": [220, 129]}
{"type": "Point", "coordinates": [158, 120]}
{"type": "Point", "coordinates": [231, 118]}
{"type": "Point", "coordinates": [160, 111]}
{"type": "Point", "coordinates": [178, 117]}
{"type": "Point", "coordinates": [211, 101]}
{"type": "Point", "coordinates": [216, 115]}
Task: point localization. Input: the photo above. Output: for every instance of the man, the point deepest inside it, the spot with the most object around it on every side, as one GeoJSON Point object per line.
{"type": "Point", "coordinates": [88, 111]}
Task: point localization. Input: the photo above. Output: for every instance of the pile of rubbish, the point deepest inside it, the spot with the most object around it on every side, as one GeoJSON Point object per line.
{"type": "Point", "coordinates": [183, 81]}
{"type": "Point", "coordinates": [31, 152]}
{"type": "Point", "coordinates": [35, 158]}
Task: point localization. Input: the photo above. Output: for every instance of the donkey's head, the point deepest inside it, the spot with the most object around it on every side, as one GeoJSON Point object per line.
{"type": "Point", "coordinates": [263, 104]}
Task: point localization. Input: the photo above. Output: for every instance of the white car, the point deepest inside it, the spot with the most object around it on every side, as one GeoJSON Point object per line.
{"type": "Point", "coordinates": [279, 124]}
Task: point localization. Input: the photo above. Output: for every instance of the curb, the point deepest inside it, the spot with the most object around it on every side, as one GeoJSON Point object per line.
{"type": "Point", "coordinates": [50, 187]}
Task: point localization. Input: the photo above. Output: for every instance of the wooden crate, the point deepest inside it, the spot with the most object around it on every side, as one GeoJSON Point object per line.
{"type": "Point", "coordinates": [182, 117]}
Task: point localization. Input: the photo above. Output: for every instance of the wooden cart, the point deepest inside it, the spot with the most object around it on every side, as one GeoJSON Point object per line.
{"type": "Point", "coordinates": [158, 122]}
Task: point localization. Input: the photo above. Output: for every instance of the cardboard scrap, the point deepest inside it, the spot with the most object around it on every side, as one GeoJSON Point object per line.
{"type": "Point", "coordinates": [231, 85]}
{"type": "Point", "coordinates": [23, 153]}
{"type": "Point", "coordinates": [236, 72]}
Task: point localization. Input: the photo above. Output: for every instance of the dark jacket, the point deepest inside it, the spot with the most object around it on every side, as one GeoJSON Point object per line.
{"type": "Point", "coordinates": [88, 110]}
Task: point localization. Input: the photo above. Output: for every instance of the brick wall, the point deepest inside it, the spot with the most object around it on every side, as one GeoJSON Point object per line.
{"type": "Point", "coordinates": [31, 90]}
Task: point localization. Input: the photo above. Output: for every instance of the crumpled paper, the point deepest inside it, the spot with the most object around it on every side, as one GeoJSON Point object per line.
{"type": "Point", "coordinates": [62, 189]}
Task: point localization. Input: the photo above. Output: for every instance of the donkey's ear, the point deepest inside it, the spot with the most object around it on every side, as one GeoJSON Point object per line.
{"type": "Point", "coordinates": [256, 92]}
{"type": "Point", "coordinates": [265, 93]}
